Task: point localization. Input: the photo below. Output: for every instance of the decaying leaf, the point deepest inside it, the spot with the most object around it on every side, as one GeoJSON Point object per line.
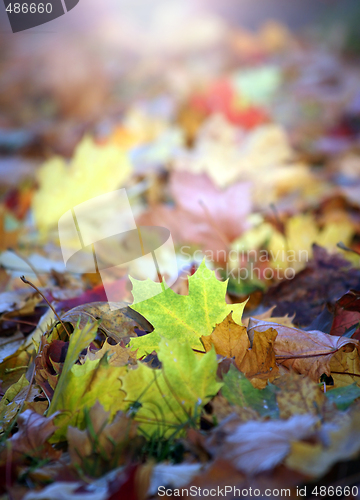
{"type": "Point", "coordinates": [258, 363]}
{"type": "Point", "coordinates": [103, 444]}
{"type": "Point", "coordinates": [31, 439]}
{"type": "Point", "coordinates": [309, 353]}
{"type": "Point", "coordinates": [255, 357]}
{"type": "Point", "coordinates": [345, 365]}
{"type": "Point", "coordinates": [228, 338]}
{"type": "Point", "coordinates": [119, 324]}
{"type": "Point", "coordinates": [49, 364]}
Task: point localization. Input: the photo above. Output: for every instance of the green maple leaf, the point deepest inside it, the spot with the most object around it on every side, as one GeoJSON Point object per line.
{"type": "Point", "coordinates": [163, 401]}
{"type": "Point", "coordinates": [95, 380]}
{"type": "Point", "coordinates": [182, 317]}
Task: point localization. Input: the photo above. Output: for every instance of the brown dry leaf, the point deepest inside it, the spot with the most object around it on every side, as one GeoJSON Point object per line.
{"type": "Point", "coordinates": [117, 355]}
{"type": "Point", "coordinates": [228, 338]}
{"type": "Point", "coordinates": [339, 441]}
{"type": "Point", "coordinates": [31, 439]}
{"type": "Point", "coordinates": [309, 353]}
{"type": "Point", "coordinates": [299, 395]}
{"type": "Point", "coordinates": [254, 357]}
{"type": "Point", "coordinates": [258, 446]}
{"type": "Point", "coordinates": [110, 441]}
{"type": "Point", "coordinates": [259, 363]}
{"type": "Point", "coordinates": [119, 324]}
{"type": "Point", "coordinates": [345, 366]}
{"type": "Point", "coordinates": [48, 365]}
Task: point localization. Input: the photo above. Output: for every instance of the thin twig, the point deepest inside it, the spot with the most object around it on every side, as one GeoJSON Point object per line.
{"type": "Point", "coordinates": [27, 261]}
{"type": "Point", "coordinates": [24, 280]}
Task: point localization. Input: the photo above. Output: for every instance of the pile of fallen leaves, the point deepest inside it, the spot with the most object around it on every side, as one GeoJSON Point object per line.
{"type": "Point", "coordinates": [246, 371]}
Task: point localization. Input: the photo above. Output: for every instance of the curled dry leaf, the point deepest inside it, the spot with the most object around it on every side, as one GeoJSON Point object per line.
{"type": "Point", "coordinates": [309, 353]}
{"type": "Point", "coordinates": [345, 366]}
{"type": "Point", "coordinates": [259, 363]}
{"type": "Point", "coordinates": [48, 365]}
{"type": "Point", "coordinates": [116, 354]}
{"type": "Point", "coordinates": [228, 338]}
{"type": "Point", "coordinates": [256, 359]}
{"type": "Point", "coordinates": [119, 324]}
{"type": "Point", "coordinates": [103, 442]}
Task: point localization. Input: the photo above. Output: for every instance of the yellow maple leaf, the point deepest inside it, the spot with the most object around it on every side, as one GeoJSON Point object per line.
{"type": "Point", "coordinates": [301, 232]}
{"type": "Point", "coordinates": [93, 170]}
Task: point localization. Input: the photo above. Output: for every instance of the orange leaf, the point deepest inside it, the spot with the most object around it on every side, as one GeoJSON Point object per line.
{"type": "Point", "coordinates": [228, 338]}
{"type": "Point", "coordinates": [255, 359]}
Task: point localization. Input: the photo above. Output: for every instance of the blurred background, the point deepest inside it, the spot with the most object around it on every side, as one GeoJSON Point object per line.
{"type": "Point", "coordinates": [129, 94]}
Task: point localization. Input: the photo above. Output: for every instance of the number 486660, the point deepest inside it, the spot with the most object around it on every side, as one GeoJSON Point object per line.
{"type": "Point", "coordinates": [337, 491]}
{"type": "Point", "coordinates": [31, 8]}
